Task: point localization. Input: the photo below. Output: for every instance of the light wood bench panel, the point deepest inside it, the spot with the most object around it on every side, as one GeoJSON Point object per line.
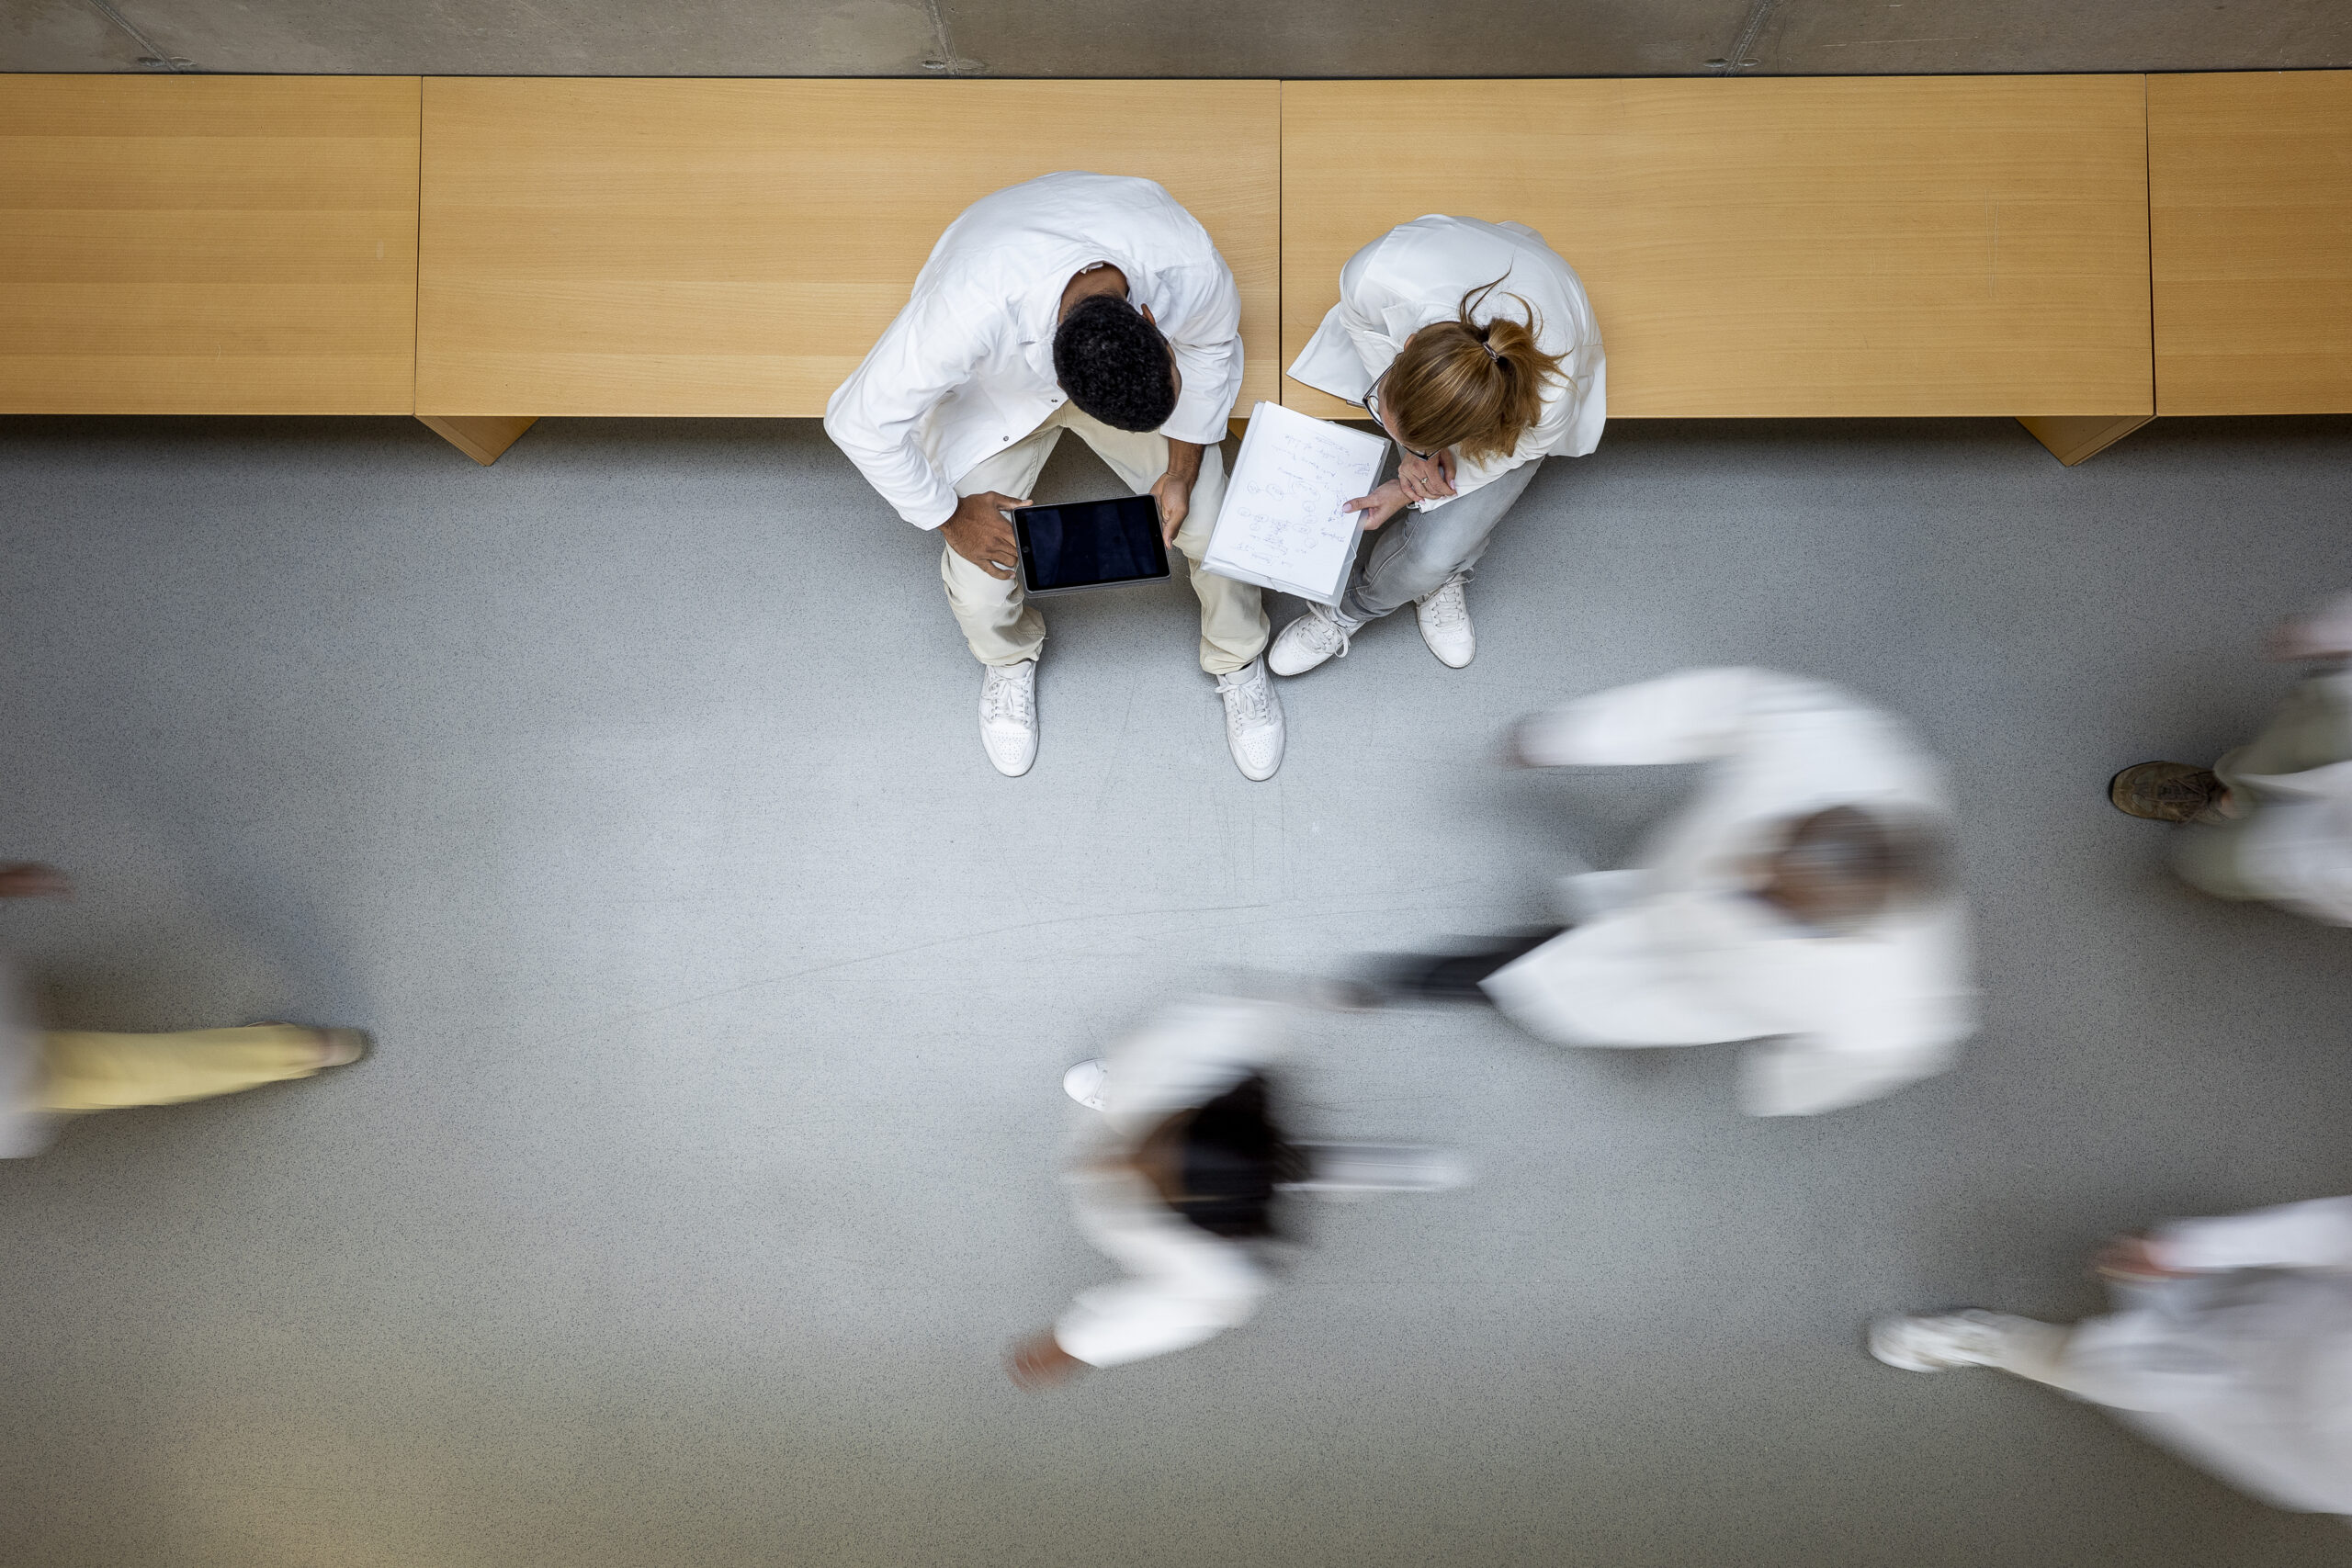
{"type": "Point", "coordinates": [2250, 194]}
{"type": "Point", "coordinates": [207, 244]}
{"type": "Point", "coordinates": [735, 247]}
{"type": "Point", "coordinates": [1933, 247]}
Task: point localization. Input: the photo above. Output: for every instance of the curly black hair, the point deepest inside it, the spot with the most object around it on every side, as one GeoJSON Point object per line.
{"type": "Point", "coordinates": [1115, 365]}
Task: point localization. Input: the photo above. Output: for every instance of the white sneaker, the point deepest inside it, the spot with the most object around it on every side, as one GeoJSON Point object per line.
{"type": "Point", "coordinates": [1937, 1342]}
{"type": "Point", "coordinates": [1009, 716]}
{"type": "Point", "coordinates": [1253, 720]}
{"type": "Point", "coordinates": [1316, 636]}
{"type": "Point", "coordinates": [1444, 614]}
{"type": "Point", "coordinates": [1086, 1082]}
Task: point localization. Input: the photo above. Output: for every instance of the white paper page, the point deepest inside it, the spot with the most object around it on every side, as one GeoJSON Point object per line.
{"type": "Point", "coordinates": [1281, 525]}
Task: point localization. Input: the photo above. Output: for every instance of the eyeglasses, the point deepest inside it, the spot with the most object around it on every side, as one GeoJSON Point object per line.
{"type": "Point", "coordinates": [1372, 407]}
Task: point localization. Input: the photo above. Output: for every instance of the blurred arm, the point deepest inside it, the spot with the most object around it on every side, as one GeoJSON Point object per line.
{"type": "Point", "coordinates": [1687, 718]}
{"type": "Point", "coordinates": [2316, 1235]}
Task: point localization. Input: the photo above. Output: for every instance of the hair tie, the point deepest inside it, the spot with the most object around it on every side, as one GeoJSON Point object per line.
{"type": "Point", "coordinates": [1490, 351]}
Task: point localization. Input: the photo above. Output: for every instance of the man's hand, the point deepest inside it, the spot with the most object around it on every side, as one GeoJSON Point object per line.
{"type": "Point", "coordinates": [1039, 1362]}
{"type": "Point", "coordinates": [1173, 490]}
{"type": "Point", "coordinates": [1429, 480]}
{"type": "Point", "coordinates": [1380, 505]}
{"type": "Point", "coordinates": [981, 534]}
{"type": "Point", "coordinates": [28, 879]}
{"type": "Point", "coordinates": [2130, 1259]}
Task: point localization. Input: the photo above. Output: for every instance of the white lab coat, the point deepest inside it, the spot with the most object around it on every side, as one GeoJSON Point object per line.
{"type": "Point", "coordinates": [1691, 957]}
{"type": "Point", "coordinates": [2297, 847]}
{"type": "Point", "coordinates": [25, 1129]}
{"type": "Point", "coordinates": [1184, 1285]}
{"type": "Point", "coordinates": [1416, 275]}
{"type": "Point", "coordinates": [967, 369]}
{"type": "Point", "coordinates": [2246, 1366]}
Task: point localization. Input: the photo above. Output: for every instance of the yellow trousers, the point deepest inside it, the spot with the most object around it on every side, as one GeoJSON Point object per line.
{"type": "Point", "coordinates": [108, 1072]}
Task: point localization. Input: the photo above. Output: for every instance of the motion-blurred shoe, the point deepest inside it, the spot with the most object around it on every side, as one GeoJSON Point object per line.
{"type": "Point", "coordinates": [1312, 640]}
{"type": "Point", "coordinates": [2168, 791]}
{"type": "Point", "coordinates": [337, 1048]}
{"type": "Point", "coordinates": [1086, 1081]}
{"type": "Point", "coordinates": [341, 1047]}
{"type": "Point", "coordinates": [1937, 1342]}
{"type": "Point", "coordinates": [1444, 614]}
{"type": "Point", "coordinates": [1253, 721]}
{"type": "Point", "coordinates": [1009, 716]}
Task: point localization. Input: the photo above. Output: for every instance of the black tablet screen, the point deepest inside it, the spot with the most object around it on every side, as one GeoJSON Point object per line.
{"type": "Point", "coordinates": [1090, 544]}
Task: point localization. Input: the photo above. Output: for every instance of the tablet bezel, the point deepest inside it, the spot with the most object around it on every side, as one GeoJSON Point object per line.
{"type": "Point", "coordinates": [1021, 514]}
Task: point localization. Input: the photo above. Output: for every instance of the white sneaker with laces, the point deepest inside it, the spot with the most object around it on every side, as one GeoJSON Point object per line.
{"type": "Point", "coordinates": [1009, 716]}
{"type": "Point", "coordinates": [1444, 614]}
{"type": "Point", "coordinates": [1938, 1341]}
{"type": "Point", "coordinates": [1086, 1082]}
{"type": "Point", "coordinates": [1253, 720]}
{"type": "Point", "coordinates": [1316, 636]}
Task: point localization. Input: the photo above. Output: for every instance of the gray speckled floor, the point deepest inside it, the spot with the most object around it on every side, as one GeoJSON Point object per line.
{"type": "Point", "coordinates": [629, 791]}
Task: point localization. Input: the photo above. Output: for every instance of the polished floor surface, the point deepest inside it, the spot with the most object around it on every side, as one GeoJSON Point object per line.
{"type": "Point", "coordinates": [630, 791]}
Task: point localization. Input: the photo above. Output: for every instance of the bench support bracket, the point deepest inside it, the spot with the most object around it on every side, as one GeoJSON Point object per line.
{"type": "Point", "coordinates": [482, 438]}
{"type": "Point", "coordinates": [2071, 437]}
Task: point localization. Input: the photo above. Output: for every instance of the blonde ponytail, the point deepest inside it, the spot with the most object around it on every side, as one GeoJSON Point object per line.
{"type": "Point", "coordinates": [1460, 384]}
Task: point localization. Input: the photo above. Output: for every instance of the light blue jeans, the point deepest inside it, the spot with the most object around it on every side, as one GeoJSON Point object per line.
{"type": "Point", "coordinates": [1415, 552]}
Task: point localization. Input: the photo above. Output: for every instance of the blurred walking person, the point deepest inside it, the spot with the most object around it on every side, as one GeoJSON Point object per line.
{"type": "Point", "coordinates": [1803, 900]}
{"type": "Point", "coordinates": [1180, 1178]}
{"type": "Point", "coordinates": [49, 1074]}
{"type": "Point", "coordinates": [2230, 1345]}
{"type": "Point", "coordinates": [2271, 820]}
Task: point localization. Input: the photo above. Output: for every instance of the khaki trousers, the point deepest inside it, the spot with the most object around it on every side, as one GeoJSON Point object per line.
{"type": "Point", "coordinates": [110, 1072]}
{"type": "Point", "coordinates": [1000, 624]}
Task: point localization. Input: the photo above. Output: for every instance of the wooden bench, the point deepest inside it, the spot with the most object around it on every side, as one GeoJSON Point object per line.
{"type": "Point", "coordinates": [734, 248]}
{"type": "Point", "coordinates": [2250, 192]}
{"type": "Point", "coordinates": [207, 244]}
{"type": "Point", "coordinates": [1847, 246]}
{"type": "Point", "coordinates": [1830, 247]}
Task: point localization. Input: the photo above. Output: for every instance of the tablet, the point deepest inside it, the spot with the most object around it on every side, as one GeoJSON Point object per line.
{"type": "Point", "coordinates": [1090, 543]}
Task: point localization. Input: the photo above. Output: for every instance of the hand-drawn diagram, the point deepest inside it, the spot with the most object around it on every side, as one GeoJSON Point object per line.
{"type": "Point", "coordinates": [1282, 524]}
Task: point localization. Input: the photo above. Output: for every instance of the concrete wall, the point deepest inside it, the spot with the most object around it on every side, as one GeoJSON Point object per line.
{"type": "Point", "coordinates": [1173, 37]}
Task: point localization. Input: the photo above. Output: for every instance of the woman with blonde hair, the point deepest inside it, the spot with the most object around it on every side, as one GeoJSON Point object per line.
{"type": "Point", "coordinates": [1473, 347]}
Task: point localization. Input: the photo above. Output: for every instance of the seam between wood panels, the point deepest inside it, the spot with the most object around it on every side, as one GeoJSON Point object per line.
{"type": "Point", "coordinates": [416, 271]}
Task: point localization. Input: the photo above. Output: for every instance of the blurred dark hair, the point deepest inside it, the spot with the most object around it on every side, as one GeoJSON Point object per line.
{"type": "Point", "coordinates": [1115, 365]}
{"type": "Point", "coordinates": [1905, 855]}
{"type": "Point", "coordinates": [1235, 1156]}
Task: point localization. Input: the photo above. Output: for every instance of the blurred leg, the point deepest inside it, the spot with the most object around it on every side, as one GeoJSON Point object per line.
{"type": "Point", "coordinates": [107, 1072]}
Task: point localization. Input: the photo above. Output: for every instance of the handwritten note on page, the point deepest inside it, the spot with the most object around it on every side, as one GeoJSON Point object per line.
{"type": "Point", "coordinates": [1282, 526]}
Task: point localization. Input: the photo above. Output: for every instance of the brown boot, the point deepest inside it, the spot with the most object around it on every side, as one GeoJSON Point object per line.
{"type": "Point", "coordinates": [2168, 791]}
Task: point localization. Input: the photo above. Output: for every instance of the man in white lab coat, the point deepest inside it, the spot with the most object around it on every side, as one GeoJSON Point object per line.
{"type": "Point", "coordinates": [1472, 345]}
{"type": "Point", "coordinates": [2232, 1345]}
{"type": "Point", "coordinates": [1075, 302]}
{"type": "Point", "coordinates": [1800, 900]}
{"type": "Point", "coordinates": [2271, 820]}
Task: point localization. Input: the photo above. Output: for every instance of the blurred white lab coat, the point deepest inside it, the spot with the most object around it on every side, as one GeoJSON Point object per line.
{"type": "Point", "coordinates": [1691, 957]}
{"type": "Point", "coordinates": [1416, 275]}
{"type": "Point", "coordinates": [967, 369]}
{"type": "Point", "coordinates": [2246, 1367]}
{"type": "Point", "coordinates": [1184, 1285]}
